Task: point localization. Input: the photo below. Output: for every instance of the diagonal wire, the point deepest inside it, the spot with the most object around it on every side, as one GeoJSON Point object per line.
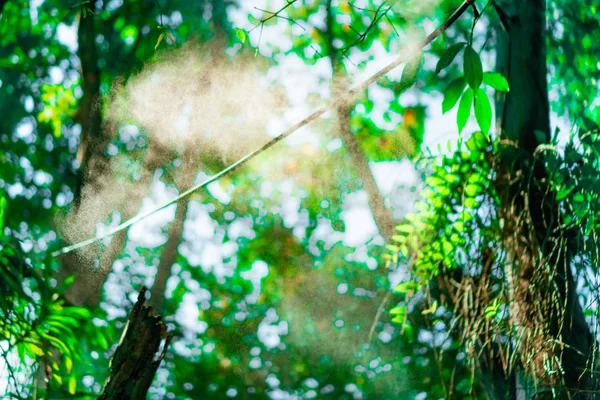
{"type": "Point", "coordinates": [315, 115]}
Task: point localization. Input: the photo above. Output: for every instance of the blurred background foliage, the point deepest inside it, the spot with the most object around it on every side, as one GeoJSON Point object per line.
{"type": "Point", "coordinates": [268, 290]}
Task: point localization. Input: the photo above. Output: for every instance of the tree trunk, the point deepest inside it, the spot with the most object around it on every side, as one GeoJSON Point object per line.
{"type": "Point", "coordinates": [523, 120]}
{"type": "Point", "coordinates": [383, 216]}
{"type": "Point", "coordinates": [90, 153]}
{"type": "Point", "coordinates": [170, 252]}
{"type": "Point", "coordinates": [133, 366]}
{"type": "Point", "coordinates": [86, 290]}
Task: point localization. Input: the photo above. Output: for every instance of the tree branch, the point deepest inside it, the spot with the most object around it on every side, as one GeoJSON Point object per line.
{"type": "Point", "coordinates": [335, 102]}
{"type": "Point", "coordinates": [170, 252]}
{"type": "Point", "coordinates": [383, 217]}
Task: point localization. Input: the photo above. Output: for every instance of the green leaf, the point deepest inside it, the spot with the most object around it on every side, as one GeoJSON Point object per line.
{"type": "Point", "coordinates": [405, 287]}
{"type": "Point", "coordinates": [409, 74]}
{"type": "Point", "coordinates": [447, 246]}
{"type": "Point", "coordinates": [564, 192]}
{"type": "Point", "coordinates": [399, 238]}
{"type": "Point", "coordinates": [465, 215]}
{"type": "Point", "coordinates": [448, 56]}
{"type": "Point", "coordinates": [452, 94]}
{"type": "Point", "coordinates": [399, 314]}
{"type": "Point", "coordinates": [68, 364]}
{"type": "Point", "coordinates": [409, 332]}
{"type": "Point", "coordinates": [478, 141]}
{"type": "Point", "coordinates": [160, 38]}
{"type": "Point", "coordinates": [398, 310]}
{"type": "Point", "coordinates": [471, 190]}
{"type": "Point", "coordinates": [483, 111]}
{"type": "Point", "coordinates": [72, 384]}
{"type": "Point", "coordinates": [473, 68]}
{"type": "Point", "coordinates": [241, 35]}
{"type": "Point", "coordinates": [589, 124]}
{"type": "Point", "coordinates": [406, 228]}
{"type": "Point", "coordinates": [471, 203]}
{"type": "Point", "coordinates": [491, 311]}
{"type": "Point", "coordinates": [459, 226]}
{"type": "Point", "coordinates": [2, 208]}
{"type": "Point", "coordinates": [464, 109]}
{"type": "Point", "coordinates": [496, 80]}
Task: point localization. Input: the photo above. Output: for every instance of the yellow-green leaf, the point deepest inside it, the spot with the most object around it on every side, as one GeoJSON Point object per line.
{"type": "Point", "coordinates": [160, 38]}
{"type": "Point", "coordinates": [496, 80]}
{"type": "Point", "coordinates": [72, 384]}
{"type": "Point", "coordinates": [241, 35]}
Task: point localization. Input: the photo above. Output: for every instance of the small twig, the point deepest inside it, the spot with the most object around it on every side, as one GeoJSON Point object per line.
{"type": "Point", "coordinates": [317, 51]}
{"type": "Point", "coordinates": [378, 315]}
{"type": "Point", "coordinates": [278, 15]}
{"type": "Point", "coordinates": [81, 3]}
{"type": "Point", "coordinates": [160, 14]}
{"type": "Point", "coordinates": [361, 36]}
{"type": "Point", "coordinates": [351, 4]}
{"type": "Point", "coordinates": [392, 24]}
{"type": "Point", "coordinates": [274, 14]}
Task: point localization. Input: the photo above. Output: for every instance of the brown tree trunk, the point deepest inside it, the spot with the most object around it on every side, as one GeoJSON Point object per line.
{"type": "Point", "coordinates": [87, 288]}
{"type": "Point", "coordinates": [168, 258]}
{"type": "Point", "coordinates": [170, 252]}
{"type": "Point", "coordinates": [90, 153]}
{"type": "Point", "coordinates": [383, 216]}
{"type": "Point", "coordinates": [521, 57]}
{"type": "Point", "coordinates": [133, 366]}
{"type": "Point", "coordinates": [93, 176]}
{"type": "Point", "coordinates": [191, 163]}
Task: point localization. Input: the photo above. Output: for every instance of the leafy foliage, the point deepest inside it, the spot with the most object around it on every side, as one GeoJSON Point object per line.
{"type": "Point", "coordinates": [265, 294]}
{"type": "Point", "coordinates": [34, 322]}
{"type": "Point", "coordinates": [443, 233]}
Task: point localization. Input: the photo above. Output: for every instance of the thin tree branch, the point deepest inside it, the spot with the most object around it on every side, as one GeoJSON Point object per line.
{"type": "Point", "coordinates": [335, 102]}
{"type": "Point", "coordinates": [275, 14]}
{"type": "Point", "coordinates": [170, 249]}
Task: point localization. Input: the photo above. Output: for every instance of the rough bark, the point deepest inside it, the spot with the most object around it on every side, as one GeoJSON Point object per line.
{"type": "Point", "coordinates": [521, 57]}
{"type": "Point", "coordinates": [133, 366]}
